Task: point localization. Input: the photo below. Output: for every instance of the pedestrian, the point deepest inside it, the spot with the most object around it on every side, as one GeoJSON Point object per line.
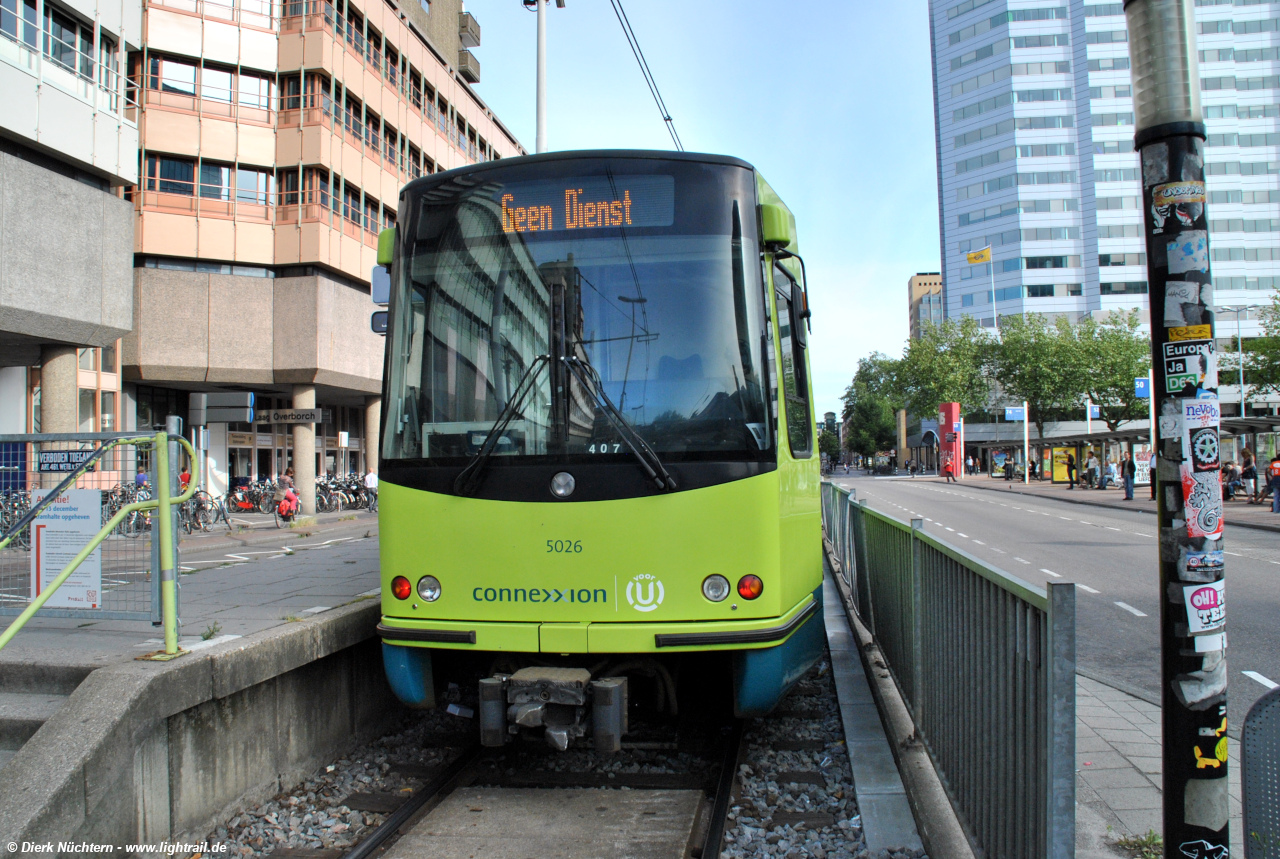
{"type": "Point", "coordinates": [1128, 472]}
{"type": "Point", "coordinates": [1095, 472]}
{"type": "Point", "coordinates": [1273, 482]}
{"type": "Point", "coordinates": [140, 479]}
{"type": "Point", "coordinates": [371, 488]}
{"type": "Point", "coordinates": [1071, 471]}
{"type": "Point", "coordinates": [184, 479]}
{"type": "Point", "coordinates": [1249, 477]}
{"type": "Point", "coordinates": [968, 465]}
{"type": "Point", "coordinates": [946, 469]}
{"type": "Point", "coordinates": [1153, 474]}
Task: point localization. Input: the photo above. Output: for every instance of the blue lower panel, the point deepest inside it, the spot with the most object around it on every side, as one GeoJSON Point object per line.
{"type": "Point", "coordinates": [762, 677]}
{"type": "Point", "coordinates": [409, 673]}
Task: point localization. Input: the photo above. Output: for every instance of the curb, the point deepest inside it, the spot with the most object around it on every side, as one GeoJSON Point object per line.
{"type": "Point", "coordinates": [1275, 529]}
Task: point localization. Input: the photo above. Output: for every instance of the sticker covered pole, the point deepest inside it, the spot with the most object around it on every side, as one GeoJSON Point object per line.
{"type": "Point", "coordinates": [1170, 140]}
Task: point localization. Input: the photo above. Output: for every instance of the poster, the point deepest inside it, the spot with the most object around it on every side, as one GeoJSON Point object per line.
{"type": "Point", "coordinates": [1142, 466]}
{"type": "Point", "coordinates": [57, 535]}
{"type": "Point", "coordinates": [1206, 607]}
{"type": "Point", "coordinates": [1190, 366]}
{"type": "Point", "coordinates": [1060, 455]}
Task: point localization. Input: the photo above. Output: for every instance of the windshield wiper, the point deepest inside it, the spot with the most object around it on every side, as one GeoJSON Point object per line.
{"type": "Point", "coordinates": [653, 467]}
{"type": "Point", "coordinates": [468, 480]}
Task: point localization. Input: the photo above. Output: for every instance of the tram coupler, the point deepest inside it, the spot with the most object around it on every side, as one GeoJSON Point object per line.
{"type": "Point", "coordinates": [564, 702]}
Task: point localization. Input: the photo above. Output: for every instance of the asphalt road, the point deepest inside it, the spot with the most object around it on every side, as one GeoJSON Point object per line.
{"type": "Point", "coordinates": [1111, 556]}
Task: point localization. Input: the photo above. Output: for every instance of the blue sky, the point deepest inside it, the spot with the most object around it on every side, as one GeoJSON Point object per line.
{"type": "Point", "coordinates": [831, 101]}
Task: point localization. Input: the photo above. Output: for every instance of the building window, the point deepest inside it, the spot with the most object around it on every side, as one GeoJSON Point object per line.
{"type": "Point", "coordinates": [171, 175]}
{"type": "Point", "coordinates": [215, 84]}
{"type": "Point", "coordinates": [11, 18]}
{"type": "Point", "coordinates": [1008, 293]}
{"type": "Point", "coordinates": [1040, 290]}
{"type": "Point", "coordinates": [254, 186]}
{"type": "Point", "coordinates": [87, 396]}
{"type": "Point", "coordinates": [109, 358]}
{"type": "Point", "coordinates": [87, 361]}
{"type": "Point", "coordinates": [215, 181]}
{"type": "Point", "coordinates": [107, 411]}
{"type": "Point", "coordinates": [173, 76]}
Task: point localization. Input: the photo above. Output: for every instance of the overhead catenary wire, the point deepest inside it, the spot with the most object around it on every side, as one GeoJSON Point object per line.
{"type": "Point", "coordinates": [644, 70]}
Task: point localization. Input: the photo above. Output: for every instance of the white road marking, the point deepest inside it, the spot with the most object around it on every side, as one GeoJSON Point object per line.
{"type": "Point", "coordinates": [1087, 589]}
{"type": "Point", "coordinates": [1131, 609]}
{"type": "Point", "coordinates": [1021, 560]}
{"type": "Point", "coordinates": [1254, 675]}
{"type": "Point", "coordinates": [1109, 528]}
{"type": "Point", "coordinates": [958, 534]}
{"type": "Point", "coordinates": [927, 519]}
{"type": "Point", "coordinates": [1066, 519]}
{"type": "Point", "coordinates": [1082, 522]}
{"type": "Point", "coordinates": [949, 529]}
{"type": "Point", "coordinates": [980, 543]}
{"type": "Point", "coordinates": [1001, 551]}
{"type": "Point", "coordinates": [1051, 573]}
{"type": "Point", "coordinates": [1237, 554]}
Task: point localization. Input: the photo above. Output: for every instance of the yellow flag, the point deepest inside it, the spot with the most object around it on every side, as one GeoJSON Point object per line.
{"type": "Point", "coordinates": [976, 257]}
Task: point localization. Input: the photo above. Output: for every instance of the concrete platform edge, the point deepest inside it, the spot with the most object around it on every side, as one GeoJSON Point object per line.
{"type": "Point", "coordinates": [120, 723]}
{"type": "Point", "coordinates": [939, 827]}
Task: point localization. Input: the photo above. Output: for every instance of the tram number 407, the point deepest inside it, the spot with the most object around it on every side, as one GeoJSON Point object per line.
{"type": "Point", "coordinates": [604, 448]}
{"type": "Point", "coordinates": [563, 547]}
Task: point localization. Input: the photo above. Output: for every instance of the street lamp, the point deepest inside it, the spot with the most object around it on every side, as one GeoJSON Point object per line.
{"type": "Point", "coordinates": [540, 139]}
{"type": "Point", "coordinates": [1237, 310]}
{"type": "Point", "coordinates": [1170, 139]}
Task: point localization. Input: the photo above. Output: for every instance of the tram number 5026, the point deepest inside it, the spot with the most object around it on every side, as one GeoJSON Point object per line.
{"type": "Point", "coordinates": [564, 547]}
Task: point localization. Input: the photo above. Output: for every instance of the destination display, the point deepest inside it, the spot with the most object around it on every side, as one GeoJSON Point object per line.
{"type": "Point", "coordinates": [587, 203]}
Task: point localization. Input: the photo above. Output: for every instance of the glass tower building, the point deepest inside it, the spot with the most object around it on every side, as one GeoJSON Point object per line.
{"type": "Point", "coordinates": [1034, 120]}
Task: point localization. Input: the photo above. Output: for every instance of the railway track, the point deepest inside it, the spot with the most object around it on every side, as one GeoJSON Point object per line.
{"type": "Point", "coordinates": [637, 814]}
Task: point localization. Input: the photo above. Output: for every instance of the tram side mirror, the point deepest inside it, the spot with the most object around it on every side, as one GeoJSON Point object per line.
{"type": "Point", "coordinates": [378, 322]}
{"type": "Point", "coordinates": [380, 285]}
{"type": "Point", "coordinates": [775, 226]}
{"type": "Point", "coordinates": [386, 245]}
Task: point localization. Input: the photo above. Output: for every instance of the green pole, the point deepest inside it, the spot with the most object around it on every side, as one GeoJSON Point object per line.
{"type": "Point", "coordinates": [164, 521]}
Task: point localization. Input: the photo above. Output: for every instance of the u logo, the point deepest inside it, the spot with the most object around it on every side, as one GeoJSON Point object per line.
{"type": "Point", "coordinates": [645, 593]}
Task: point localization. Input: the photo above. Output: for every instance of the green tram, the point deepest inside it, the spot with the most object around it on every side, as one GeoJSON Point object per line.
{"type": "Point", "coordinates": [598, 477]}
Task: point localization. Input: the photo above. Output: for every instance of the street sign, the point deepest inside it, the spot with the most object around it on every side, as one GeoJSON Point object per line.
{"type": "Point", "coordinates": [1141, 387]}
{"type": "Point", "coordinates": [296, 416]}
{"type": "Point", "coordinates": [1095, 411]}
{"type": "Point", "coordinates": [1015, 414]}
{"type": "Point", "coordinates": [231, 407]}
{"type": "Point", "coordinates": [61, 460]}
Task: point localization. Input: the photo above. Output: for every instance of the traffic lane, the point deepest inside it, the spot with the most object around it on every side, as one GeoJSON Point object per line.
{"type": "Point", "coordinates": [1110, 554]}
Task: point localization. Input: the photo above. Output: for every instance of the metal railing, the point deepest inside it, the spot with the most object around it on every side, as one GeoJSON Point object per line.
{"type": "Point", "coordinates": [39, 473]}
{"type": "Point", "coordinates": [986, 664]}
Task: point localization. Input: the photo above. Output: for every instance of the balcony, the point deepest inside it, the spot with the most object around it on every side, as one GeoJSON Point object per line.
{"type": "Point", "coordinates": [468, 66]}
{"type": "Point", "coordinates": [468, 30]}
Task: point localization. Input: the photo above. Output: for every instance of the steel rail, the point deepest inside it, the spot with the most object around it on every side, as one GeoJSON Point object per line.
{"type": "Point", "coordinates": [711, 844]}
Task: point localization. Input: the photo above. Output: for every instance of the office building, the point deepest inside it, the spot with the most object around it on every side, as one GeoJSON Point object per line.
{"type": "Point", "coordinates": [924, 300]}
{"type": "Point", "coordinates": [275, 140]}
{"type": "Point", "coordinates": [68, 147]}
{"type": "Point", "coordinates": [1034, 118]}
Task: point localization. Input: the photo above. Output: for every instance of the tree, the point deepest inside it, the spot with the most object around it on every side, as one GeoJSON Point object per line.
{"type": "Point", "coordinates": [829, 445]}
{"type": "Point", "coordinates": [1108, 357]}
{"type": "Point", "coordinates": [1035, 361]}
{"type": "Point", "coordinates": [1262, 354]}
{"type": "Point", "coordinates": [945, 365]}
{"type": "Point", "coordinates": [869, 404]}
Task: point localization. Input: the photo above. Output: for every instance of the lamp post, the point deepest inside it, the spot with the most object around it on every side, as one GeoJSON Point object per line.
{"type": "Point", "coordinates": [540, 137]}
{"type": "Point", "coordinates": [1243, 308]}
{"type": "Point", "coordinates": [1170, 140]}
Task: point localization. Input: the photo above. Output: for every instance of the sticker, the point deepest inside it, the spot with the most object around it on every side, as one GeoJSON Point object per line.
{"type": "Point", "coordinates": [1206, 607]}
{"type": "Point", "coordinates": [1181, 303]}
{"type": "Point", "coordinates": [1189, 252]}
{"type": "Point", "coordinates": [1190, 364]}
{"type": "Point", "coordinates": [1155, 164]}
{"type": "Point", "coordinates": [1182, 201]}
{"type": "Point", "coordinates": [1202, 850]}
{"type": "Point", "coordinates": [1199, 690]}
{"type": "Point", "coordinates": [1205, 562]}
{"type": "Point", "coordinates": [1210, 643]}
{"type": "Point", "coordinates": [645, 592]}
{"type": "Point", "coordinates": [1189, 332]}
{"type": "Point", "coordinates": [1202, 500]}
{"type": "Point", "coordinates": [1217, 749]}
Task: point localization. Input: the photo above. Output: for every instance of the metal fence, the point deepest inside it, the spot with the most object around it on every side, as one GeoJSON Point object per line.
{"type": "Point", "coordinates": [985, 663]}
{"type": "Point", "coordinates": [121, 582]}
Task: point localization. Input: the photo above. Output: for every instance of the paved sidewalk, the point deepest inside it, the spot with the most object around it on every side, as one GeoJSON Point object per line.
{"type": "Point", "coordinates": [1239, 513]}
{"type": "Point", "coordinates": [1118, 765]}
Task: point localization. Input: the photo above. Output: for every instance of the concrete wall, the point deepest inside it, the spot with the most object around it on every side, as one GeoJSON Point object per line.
{"type": "Point", "coordinates": [66, 262]}
{"type": "Point", "coordinates": [235, 330]}
{"type": "Point", "coordinates": [440, 26]}
{"type": "Point", "coordinates": [155, 751]}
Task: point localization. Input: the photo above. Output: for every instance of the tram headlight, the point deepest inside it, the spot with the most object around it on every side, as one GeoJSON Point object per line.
{"type": "Point", "coordinates": [715, 588]}
{"type": "Point", "coordinates": [429, 588]}
{"type": "Point", "coordinates": [750, 587]}
{"type": "Point", "coordinates": [400, 588]}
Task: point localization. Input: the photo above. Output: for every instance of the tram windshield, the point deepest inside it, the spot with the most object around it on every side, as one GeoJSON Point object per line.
{"type": "Point", "coordinates": [572, 303]}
